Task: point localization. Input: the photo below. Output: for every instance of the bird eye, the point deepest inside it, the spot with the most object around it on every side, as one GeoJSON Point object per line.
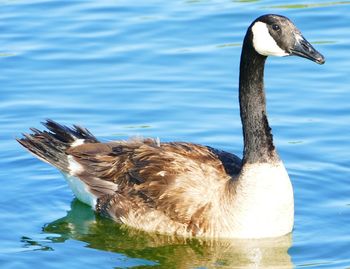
{"type": "Point", "coordinates": [275, 27]}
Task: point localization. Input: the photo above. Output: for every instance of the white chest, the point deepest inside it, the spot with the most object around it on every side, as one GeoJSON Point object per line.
{"type": "Point", "coordinates": [263, 204]}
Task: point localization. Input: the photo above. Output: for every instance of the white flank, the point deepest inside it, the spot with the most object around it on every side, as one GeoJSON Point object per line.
{"type": "Point", "coordinates": [264, 43]}
{"type": "Point", "coordinates": [77, 142]}
{"type": "Point", "coordinates": [73, 166]}
{"type": "Point", "coordinates": [80, 190]}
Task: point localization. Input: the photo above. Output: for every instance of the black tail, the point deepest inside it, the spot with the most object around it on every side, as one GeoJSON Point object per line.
{"type": "Point", "coordinates": [50, 146]}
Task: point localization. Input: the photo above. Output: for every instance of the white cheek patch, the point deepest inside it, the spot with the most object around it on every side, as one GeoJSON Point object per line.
{"type": "Point", "coordinates": [264, 43]}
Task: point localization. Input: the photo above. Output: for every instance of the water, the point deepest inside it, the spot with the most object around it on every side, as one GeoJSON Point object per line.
{"type": "Point", "coordinates": [168, 70]}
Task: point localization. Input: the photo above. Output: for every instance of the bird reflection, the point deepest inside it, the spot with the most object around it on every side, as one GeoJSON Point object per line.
{"type": "Point", "coordinates": [82, 224]}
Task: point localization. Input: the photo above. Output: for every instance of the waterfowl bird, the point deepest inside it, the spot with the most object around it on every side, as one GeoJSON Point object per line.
{"type": "Point", "coordinates": [183, 188]}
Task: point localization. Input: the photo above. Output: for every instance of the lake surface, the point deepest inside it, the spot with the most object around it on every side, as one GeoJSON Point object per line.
{"type": "Point", "coordinates": [168, 69]}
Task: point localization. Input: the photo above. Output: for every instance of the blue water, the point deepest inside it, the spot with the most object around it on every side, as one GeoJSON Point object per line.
{"type": "Point", "coordinates": [168, 69]}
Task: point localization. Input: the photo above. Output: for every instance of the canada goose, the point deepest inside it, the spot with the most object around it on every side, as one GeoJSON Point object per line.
{"type": "Point", "coordinates": [183, 188]}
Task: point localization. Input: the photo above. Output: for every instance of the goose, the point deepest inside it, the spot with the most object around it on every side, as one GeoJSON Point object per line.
{"type": "Point", "coordinates": [187, 189]}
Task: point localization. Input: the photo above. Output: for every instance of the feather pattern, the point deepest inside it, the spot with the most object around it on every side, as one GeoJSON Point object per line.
{"type": "Point", "coordinates": [173, 186]}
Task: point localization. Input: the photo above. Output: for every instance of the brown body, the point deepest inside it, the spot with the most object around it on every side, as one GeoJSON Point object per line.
{"type": "Point", "coordinates": [166, 187]}
{"type": "Point", "coordinates": [173, 187]}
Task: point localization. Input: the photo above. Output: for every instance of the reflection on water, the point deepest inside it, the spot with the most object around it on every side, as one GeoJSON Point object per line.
{"type": "Point", "coordinates": [166, 251]}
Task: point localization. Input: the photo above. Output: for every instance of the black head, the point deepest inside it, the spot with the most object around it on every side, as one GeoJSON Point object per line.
{"type": "Point", "coordinates": [276, 35]}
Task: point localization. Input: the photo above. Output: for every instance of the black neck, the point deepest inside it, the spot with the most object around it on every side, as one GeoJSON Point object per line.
{"type": "Point", "coordinates": [258, 142]}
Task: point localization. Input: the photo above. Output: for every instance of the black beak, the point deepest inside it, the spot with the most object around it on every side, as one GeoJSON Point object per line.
{"type": "Point", "coordinates": [304, 49]}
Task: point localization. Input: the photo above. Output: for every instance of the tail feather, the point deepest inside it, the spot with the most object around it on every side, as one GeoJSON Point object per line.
{"type": "Point", "coordinates": [69, 135]}
{"type": "Point", "coordinates": [51, 146]}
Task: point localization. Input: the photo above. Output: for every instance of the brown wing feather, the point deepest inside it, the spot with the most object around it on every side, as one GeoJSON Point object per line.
{"type": "Point", "coordinates": [177, 180]}
{"type": "Point", "coordinates": [142, 183]}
